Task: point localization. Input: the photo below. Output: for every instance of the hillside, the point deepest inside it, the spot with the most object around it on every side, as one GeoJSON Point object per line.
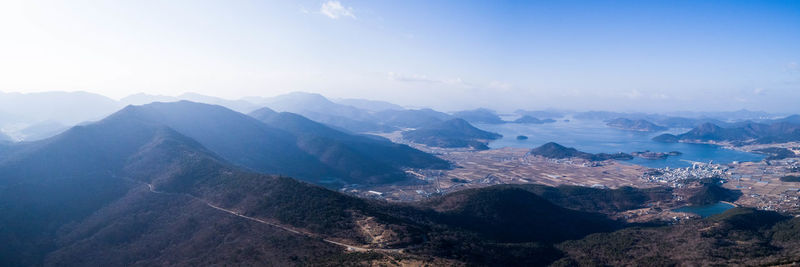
{"type": "Point", "coordinates": [451, 133]}
{"type": "Point", "coordinates": [370, 105]}
{"type": "Point", "coordinates": [411, 118]}
{"type": "Point", "coordinates": [740, 236]}
{"type": "Point", "coordinates": [125, 191]}
{"type": "Point", "coordinates": [250, 143]}
{"type": "Point", "coordinates": [480, 115]}
{"type": "Point", "coordinates": [359, 155]}
{"type": "Point", "coordinates": [635, 125]}
{"type": "Point", "coordinates": [92, 199]}
{"type": "Point", "coordinates": [320, 109]}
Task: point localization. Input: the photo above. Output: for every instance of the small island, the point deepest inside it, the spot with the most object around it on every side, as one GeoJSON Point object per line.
{"type": "Point", "coordinates": [637, 125]}
{"type": "Point", "coordinates": [522, 137]}
{"type": "Point", "coordinates": [555, 151]}
{"type": "Point", "coordinates": [533, 120]}
{"type": "Point", "coordinates": [647, 154]}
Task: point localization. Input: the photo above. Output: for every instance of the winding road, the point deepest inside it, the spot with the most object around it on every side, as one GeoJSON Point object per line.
{"type": "Point", "coordinates": [285, 228]}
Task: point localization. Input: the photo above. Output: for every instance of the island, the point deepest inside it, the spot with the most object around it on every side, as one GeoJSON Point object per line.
{"type": "Point", "coordinates": [522, 137]}
{"type": "Point", "coordinates": [635, 125]}
{"type": "Point", "coordinates": [647, 154]}
{"type": "Point", "coordinates": [555, 151]}
{"type": "Point", "coordinates": [533, 120]}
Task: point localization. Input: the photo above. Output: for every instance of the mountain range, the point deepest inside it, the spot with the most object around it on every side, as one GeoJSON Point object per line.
{"type": "Point", "coordinates": [162, 184]}
{"type": "Point", "coordinates": [132, 189]}
{"type": "Point", "coordinates": [778, 131]}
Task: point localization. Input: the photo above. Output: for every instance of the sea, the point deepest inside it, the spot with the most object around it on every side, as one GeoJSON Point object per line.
{"type": "Point", "coordinates": [595, 137]}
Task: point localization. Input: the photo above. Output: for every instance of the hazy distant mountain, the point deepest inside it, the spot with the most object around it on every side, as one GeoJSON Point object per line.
{"type": "Point", "coordinates": [142, 99]}
{"type": "Point", "coordinates": [371, 105]}
{"type": "Point", "coordinates": [42, 130]}
{"type": "Point", "coordinates": [451, 133]}
{"type": "Point", "coordinates": [533, 120]}
{"type": "Point", "coordinates": [546, 114]}
{"type": "Point", "coordinates": [739, 133]}
{"type": "Point", "coordinates": [357, 155]}
{"type": "Point", "coordinates": [320, 109]}
{"type": "Point", "coordinates": [635, 125]}
{"type": "Point", "coordinates": [68, 108]}
{"type": "Point", "coordinates": [480, 115]}
{"type": "Point", "coordinates": [5, 138]}
{"type": "Point", "coordinates": [237, 105]}
{"type": "Point", "coordinates": [411, 118]}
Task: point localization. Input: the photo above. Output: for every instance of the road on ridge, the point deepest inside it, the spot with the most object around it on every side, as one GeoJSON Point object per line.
{"type": "Point", "coordinates": [285, 228]}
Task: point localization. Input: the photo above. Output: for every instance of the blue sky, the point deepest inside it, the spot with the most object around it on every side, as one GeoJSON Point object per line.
{"type": "Point", "coordinates": [610, 55]}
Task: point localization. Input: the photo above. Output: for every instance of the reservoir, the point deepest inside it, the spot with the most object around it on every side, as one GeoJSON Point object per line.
{"type": "Point", "coordinates": [706, 210]}
{"type": "Point", "coordinates": [595, 137]}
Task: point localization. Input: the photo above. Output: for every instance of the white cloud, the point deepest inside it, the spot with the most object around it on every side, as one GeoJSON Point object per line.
{"type": "Point", "coordinates": [759, 91]}
{"type": "Point", "coordinates": [792, 66]}
{"type": "Point", "coordinates": [393, 76]}
{"type": "Point", "coordinates": [335, 10]}
{"type": "Point", "coordinates": [498, 85]}
{"type": "Point", "coordinates": [633, 94]}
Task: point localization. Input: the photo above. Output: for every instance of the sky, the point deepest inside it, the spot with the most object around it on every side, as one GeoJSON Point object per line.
{"type": "Point", "coordinates": [581, 55]}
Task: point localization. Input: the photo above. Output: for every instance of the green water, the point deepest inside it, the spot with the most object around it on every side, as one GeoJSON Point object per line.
{"type": "Point", "coordinates": [706, 210]}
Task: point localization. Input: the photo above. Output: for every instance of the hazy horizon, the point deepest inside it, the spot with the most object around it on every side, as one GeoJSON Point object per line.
{"type": "Point", "coordinates": [501, 110]}
{"type": "Point", "coordinates": [621, 56]}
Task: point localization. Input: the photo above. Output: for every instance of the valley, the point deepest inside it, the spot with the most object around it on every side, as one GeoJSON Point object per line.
{"type": "Point", "coordinates": [758, 181]}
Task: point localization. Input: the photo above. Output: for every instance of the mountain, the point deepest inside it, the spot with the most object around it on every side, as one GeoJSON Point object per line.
{"type": "Point", "coordinates": [793, 119]}
{"type": "Point", "coordinates": [600, 200]}
{"type": "Point", "coordinates": [288, 145]}
{"type": "Point", "coordinates": [451, 133]}
{"type": "Point", "coordinates": [533, 120]}
{"type": "Point", "coordinates": [411, 118]}
{"type": "Point", "coordinates": [142, 99]}
{"type": "Point", "coordinates": [512, 214]}
{"type": "Point", "coordinates": [240, 105]}
{"type": "Point", "coordinates": [480, 115]}
{"type": "Point", "coordinates": [666, 138]}
{"type": "Point", "coordinates": [737, 237]}
{"type": "Point", "coordinates": [740, 133]}
{"type": "Point", "coordinates": [555, 151]}
{"type": "Point", "coordinates": [130, 191]}
{"type": "Point", "coordinates": [92, 198]}
{"type": "Point", "coordinates": [5, 138]}
{"type": "Point", "coordinates": [320, 109]}
{"type": "Point", "coordinates": [548, 114]}
{"type": "Point", "coordinates": [359, 155]}
{"type": "Point", "coordinates": [67, 108]}
{"type": "Point", "coordinates": [635, 125]}
{"type": "Point", "coordinates": [370, 105]}
{"type": "Point", "coordinates": [42, 130]}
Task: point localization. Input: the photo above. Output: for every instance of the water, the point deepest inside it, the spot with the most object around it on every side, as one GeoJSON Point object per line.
{"type": "Point", "coordinates": [596, 137]}
{"type": "Point", "coordinates": [706, 210]}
